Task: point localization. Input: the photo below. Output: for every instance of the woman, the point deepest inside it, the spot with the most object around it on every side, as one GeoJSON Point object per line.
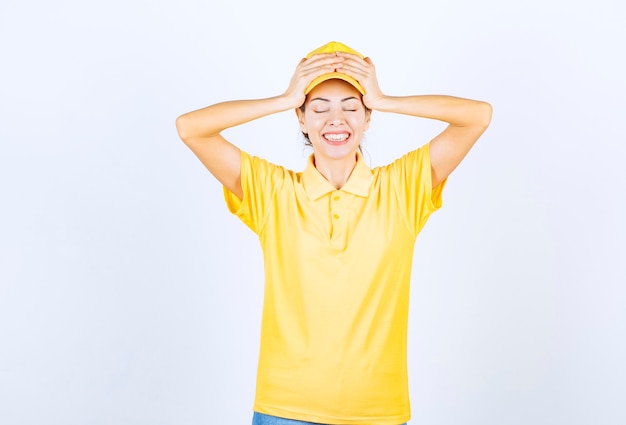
{"type": "Point", "coordinates": [337, 238]}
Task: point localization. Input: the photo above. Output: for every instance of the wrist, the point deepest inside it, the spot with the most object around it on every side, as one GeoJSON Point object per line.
{"type": "Point", "coordinates": [290, 100]}
{"type": "Point", "coordinates": [376, 102]}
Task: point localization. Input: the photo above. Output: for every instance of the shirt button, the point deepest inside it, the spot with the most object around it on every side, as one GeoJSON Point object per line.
{"type": "Point", "coordinates": [336, 216]}
{"type": "Point", "coordinates": [336, 198]}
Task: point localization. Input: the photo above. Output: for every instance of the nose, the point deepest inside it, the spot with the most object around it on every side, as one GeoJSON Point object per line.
{"type": "Point", "coordinates": [336, 118]}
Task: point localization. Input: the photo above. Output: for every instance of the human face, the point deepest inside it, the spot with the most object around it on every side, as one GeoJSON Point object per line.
{"type": "Point", "coordinates": [335, 119]}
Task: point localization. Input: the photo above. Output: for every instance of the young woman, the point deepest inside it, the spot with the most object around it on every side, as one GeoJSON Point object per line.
{"type": "Point", "coordinates": [337, 238]}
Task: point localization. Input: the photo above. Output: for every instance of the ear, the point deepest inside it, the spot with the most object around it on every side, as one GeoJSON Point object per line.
{"type": "Point", "coordinates": [300, 116]}
{"type": "Point", "coordinates": [368, 118]}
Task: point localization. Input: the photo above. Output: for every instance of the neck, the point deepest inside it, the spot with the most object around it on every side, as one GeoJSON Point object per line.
{"type": "Point", "coordinates": [336, 171]}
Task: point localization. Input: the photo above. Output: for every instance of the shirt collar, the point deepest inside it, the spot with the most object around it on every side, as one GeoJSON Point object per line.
{"type": "Point", "coordinates": [316, 185]}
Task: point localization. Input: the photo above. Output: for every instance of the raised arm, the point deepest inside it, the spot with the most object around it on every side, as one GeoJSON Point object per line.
{"type": "Point", "coordinates": [201, 129]}
{"type": "Point", "coordinates": [201, 132]}
{"type": "Point", "coordinates": [467, 119]}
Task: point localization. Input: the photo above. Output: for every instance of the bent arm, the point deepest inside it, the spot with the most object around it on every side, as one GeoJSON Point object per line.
{"type": "Point", "coordinates": [467, 121]}
{"type": "Point", "coordinates": [201, 132]}
{"type": "Point", "coordinates": [201, 129]}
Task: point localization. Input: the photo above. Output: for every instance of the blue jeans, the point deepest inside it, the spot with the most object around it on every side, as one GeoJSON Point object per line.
{"type": "Point", "coordinates": [262, 419]}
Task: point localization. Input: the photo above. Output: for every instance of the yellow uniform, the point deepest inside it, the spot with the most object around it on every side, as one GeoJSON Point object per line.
{"type": "Point", "coordinates": [337, 273]}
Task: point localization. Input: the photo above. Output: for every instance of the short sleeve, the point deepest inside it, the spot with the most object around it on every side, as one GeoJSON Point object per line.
{"type": "Point", "coordinates": [259, 180]}
{"type": "Point", "coordinates": [413, 185]}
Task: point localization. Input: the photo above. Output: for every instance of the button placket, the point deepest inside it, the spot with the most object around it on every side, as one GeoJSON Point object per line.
{"type": "Point", "coordinates": [339, 216]}
{"type": "Point", "coordinates": [335, 198]}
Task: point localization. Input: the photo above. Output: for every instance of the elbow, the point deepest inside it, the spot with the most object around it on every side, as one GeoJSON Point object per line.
{"type": "Point", "coordinates": [190, 129]}
{"type": "Point", "coordinates": [182, 127]}
{"type": "Point", "coordinates": [485, 110]}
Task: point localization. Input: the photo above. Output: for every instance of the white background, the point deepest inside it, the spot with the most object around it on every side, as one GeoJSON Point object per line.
{"type": "Point", "coordinates": [129, 295]}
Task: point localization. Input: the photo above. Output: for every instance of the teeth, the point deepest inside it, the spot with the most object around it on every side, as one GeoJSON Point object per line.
{"type": "Point", "coordinates": [336, 137]}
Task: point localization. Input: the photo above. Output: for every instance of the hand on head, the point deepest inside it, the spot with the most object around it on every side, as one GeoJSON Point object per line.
{"type": "Point", "coordinates": [364, 72]}
{"type": "Point", "coordinates": [342, 62]}
{"type": "Point", "coordinates": [308, 70]}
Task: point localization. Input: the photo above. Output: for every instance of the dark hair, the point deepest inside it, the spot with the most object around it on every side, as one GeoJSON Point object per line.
{"type": "Point", "coordinates": [307, 141]}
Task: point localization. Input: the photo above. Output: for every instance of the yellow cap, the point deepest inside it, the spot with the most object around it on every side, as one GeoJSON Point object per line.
{"type": "Point", "coordinates": [333, 47]}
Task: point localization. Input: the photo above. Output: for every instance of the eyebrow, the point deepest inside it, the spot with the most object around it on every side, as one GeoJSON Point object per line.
{"type": "Point", "coordinates": [328, 100]}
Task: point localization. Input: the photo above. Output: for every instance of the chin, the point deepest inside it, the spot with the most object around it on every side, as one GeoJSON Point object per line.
{"type": "Point", "coordinates": [337, 153]}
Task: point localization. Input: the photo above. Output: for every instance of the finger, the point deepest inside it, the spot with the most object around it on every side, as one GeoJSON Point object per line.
{"type": "Point", "coordinates": [324, 57]}
{"type": "Point", "coordinates": [350, 55]}
{"type": "Point", "coordinates": [357, 64]}
{"type": "Point", "coordinates": [356, 72]}
{"type": "Point", "coordinates": [325, 61]}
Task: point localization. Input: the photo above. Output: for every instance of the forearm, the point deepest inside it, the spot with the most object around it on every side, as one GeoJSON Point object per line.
{"type": "Point", "coordinates": [212, 120]}
{"type": "Point", "coordinates": [455, 111]}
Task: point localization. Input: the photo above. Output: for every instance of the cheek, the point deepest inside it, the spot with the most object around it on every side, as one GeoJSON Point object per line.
{"type": "Point", "coordinates": [359, 124]}
{"type": "Point", "coordinates": [312, 123]}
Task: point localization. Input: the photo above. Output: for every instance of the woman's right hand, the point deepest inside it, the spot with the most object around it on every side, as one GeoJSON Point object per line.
{"type": "Point", "coordinates": [201, 129]}
{"type": "Point", "coordinates": [308, 70]}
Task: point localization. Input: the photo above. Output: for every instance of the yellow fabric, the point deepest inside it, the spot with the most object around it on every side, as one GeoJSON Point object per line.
{"type": "Point", "coordinates": [337, 271]}
{"type": "Point", "coordinates": [333, 47]}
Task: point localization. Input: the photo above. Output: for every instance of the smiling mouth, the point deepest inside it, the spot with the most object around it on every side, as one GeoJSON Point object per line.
{"type": "Point", "coordinates": [336, 138]}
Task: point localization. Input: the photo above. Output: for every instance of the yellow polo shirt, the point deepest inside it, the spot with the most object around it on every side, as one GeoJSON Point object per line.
{"type": "Point", "coordinates": [337, 272]}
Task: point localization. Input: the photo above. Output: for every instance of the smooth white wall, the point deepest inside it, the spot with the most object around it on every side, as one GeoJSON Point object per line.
{"type": "Point", "coordinates": [128, 293]}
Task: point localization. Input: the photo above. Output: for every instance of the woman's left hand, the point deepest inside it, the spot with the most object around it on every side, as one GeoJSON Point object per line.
{"type": "Point", "coordinates": [364, 72]}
